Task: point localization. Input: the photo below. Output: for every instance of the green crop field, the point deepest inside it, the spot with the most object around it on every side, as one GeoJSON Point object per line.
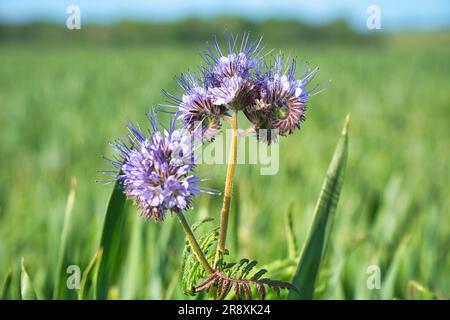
{"type": "Point", "coordinates": [61, 105]}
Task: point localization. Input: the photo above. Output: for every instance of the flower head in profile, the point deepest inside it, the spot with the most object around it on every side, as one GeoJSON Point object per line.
{"type": "Point", "coordinates": [282, 101]}
{"type": "Point", "coordinates": [229, 73]}
{"type": "Point", "coordinates": [195, 107]}
{"type": "Point", "coordinates": [155, 170]}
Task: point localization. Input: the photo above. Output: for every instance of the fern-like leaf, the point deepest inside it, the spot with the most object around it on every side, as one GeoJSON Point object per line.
{"type": "Point", "coordinates": [241, 278]}
{"type": "Point", "coordinates": [238, 277]}
{"type": "Point", "coordinates": [192, 271]}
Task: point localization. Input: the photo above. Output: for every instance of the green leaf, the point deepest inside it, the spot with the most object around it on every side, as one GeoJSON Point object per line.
{"type": "Point", "coordinates": [292, 241]}
{"type": "Point", "coordinates": [132, 272]}
{"type": "Point", "coordinates": [416, 291]}
{"type": "Point", "coordinates": [26, 288]}
{"type": "Point", "coordinates": [314, 248]}
{"type": "Point", "coordinates": [192, 271]}
{"type": "Point", "coordinates": [111, 242]}
{"type": "Point", "coordinates": [6, 286]}
{"type": "Point", "coordinates": [89, 279]}
{"type": "Point", "coordinates": [63, 239]}
{"type": "Point", "coordinates": [240, 281]}
{"type": "Point", "coordinates": [234, 220]}
{"type": "Point", "coordinates": [388, 286]}
{"type": "Point", "coordinates": [282, 269]}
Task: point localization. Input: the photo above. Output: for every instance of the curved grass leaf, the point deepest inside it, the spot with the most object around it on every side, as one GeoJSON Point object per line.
{"type": "Point", "coordinates": [111, 242]}
{"type": "Point", "coordinates": [388, 291]}
{"type": "Point", "coordinates": [63, 239]}
{"type": "Point", "coordinates": [132, 277]}
{"type": "Point", "coordinates": [6, 286]}
{"type": "Point", "coordinates": [290, 234]}
{"type": "Point", "coordinates": [313, 250]}
{"type": "Point", "coordinates": [89, 278]}
{"type": "Point", "coordinates": [417, 291]}
{"type": "Point", "coordinates": [26, 288]}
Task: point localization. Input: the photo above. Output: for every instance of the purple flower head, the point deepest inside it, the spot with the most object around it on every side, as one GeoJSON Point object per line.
{"type": "Point", "coordinates": [283, 97]}
{"type": "Point", "coordinates": [155, 171]}
{"type": "Point", "coordinates": [195, 107]}
{"type": "Point", "coordinates": [228, 74]}
{"type": "Point", "coordinates": [235, 92]}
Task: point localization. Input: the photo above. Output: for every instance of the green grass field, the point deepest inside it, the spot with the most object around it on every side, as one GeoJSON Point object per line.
{"type": "Point", "coordinates": [60, 105]}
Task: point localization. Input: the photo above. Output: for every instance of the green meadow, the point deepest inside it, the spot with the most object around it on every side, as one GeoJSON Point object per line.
{"type": "Point", "coordinates": [60, 105]}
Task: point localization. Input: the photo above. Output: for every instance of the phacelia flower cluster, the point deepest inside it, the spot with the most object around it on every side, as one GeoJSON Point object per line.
{"type": "Point", "coordinates": [155, 171]}
{"type": "Point", "coordinates": [196, 109]}
{"type": "Point", "coordinates": [229, 75]}
{"type": "Point", "coordinates": [281, 105]}
{"type": "Point", "coordinates": [272, 95]}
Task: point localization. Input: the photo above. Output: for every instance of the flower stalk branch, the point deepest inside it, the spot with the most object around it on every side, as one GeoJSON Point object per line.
{"type": "Point", "coordinates": [225, 212]}
{"type": "Point", "coordinates": [194, 244]}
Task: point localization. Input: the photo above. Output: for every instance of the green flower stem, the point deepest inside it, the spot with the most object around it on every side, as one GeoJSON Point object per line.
{"type": "Point", "coordinates": [194, 244]}
{"type": "Point", "coordinates": [224, 215]}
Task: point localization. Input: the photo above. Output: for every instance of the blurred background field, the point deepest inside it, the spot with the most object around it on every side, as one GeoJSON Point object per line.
{"type": "Point", "coordinates": [65, 94]}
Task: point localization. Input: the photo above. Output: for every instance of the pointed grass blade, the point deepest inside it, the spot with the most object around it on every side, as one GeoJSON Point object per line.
{"type": "Point", "coordinates": [63, 239]}
{"type": "Point", "coordinates": [111, 242]}
{"type": "Point", "coordinates": [290, 234]}
{"type": "Point", "coordinates": [26, 288]}
{"type": "Point", "coordinates": [89, 278]}
{"type": "Point", "coordinates": [6, 286]}
{"type": "Point", "coordinates": [311, 256]}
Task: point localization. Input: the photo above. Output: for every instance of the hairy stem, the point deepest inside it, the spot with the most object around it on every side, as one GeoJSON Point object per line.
{"type": "Point", "coordinates": [224, 215]}
{"type": "Point", "coordinates": [194, 244]}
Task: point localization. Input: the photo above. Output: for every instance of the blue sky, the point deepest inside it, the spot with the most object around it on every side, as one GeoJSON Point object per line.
{"type": "Point", "coordinates": [395, 14]}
